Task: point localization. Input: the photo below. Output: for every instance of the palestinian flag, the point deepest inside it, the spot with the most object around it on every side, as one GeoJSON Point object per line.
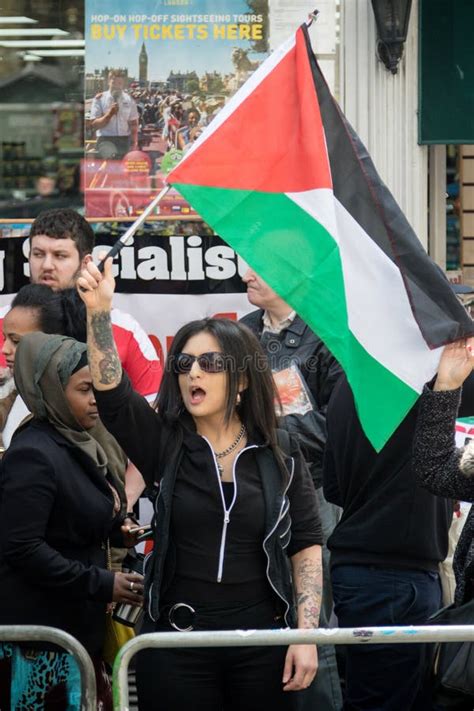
{"type": "Point", "coordinates": [283, 178]}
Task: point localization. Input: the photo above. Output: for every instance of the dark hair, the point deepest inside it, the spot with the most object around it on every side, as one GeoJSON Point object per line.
{"type": "Point", "coordinates": [45, 302]}
{"type": "Point", "coordinates": [60, 312]}
{"type": "Point", "coordinates": [74, 315]}
{"type": "Point", "coordinates": [193, 110]}
{"type": "Point", "coordinates": [64, 223]}
{"type": "Point", "coordinates": [244, 359]}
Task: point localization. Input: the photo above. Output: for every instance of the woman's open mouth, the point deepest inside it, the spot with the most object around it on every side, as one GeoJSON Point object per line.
{"type": "Point", "coordinates": [197, 395]}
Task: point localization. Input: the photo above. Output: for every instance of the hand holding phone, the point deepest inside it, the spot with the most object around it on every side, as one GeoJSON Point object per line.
{"type": "Point", "coordinates": [145, 536]}
{"type": "Point", "coordinates": [135, 529]}
{"type": "Point", "coordinates": [136, 534]}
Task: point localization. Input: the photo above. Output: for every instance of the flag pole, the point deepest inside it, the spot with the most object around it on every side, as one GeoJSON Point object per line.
{"type": "Point", "coordinates": [312, 17]}
{"type": "Point", "coordinates": [127, 236]}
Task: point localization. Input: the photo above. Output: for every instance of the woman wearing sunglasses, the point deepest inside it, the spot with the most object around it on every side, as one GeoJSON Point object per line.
{"type": "Point", "coordinates": [237, 532]}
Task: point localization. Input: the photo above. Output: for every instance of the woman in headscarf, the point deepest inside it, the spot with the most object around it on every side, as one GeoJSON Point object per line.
{"type": "Point", "coordinates": [36, 307]}
{"type": "Point", "coordinates": [61, 500]}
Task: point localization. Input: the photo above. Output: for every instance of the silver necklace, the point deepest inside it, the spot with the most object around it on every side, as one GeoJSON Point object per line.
{"type": "Point", "coordinates": [229, 449]}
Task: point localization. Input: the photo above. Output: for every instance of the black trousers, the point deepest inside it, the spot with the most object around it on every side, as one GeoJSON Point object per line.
{"type": "Point", "coordinates": [215, 679]}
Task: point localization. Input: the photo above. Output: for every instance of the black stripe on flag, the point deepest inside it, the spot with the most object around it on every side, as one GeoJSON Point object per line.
{"type": "Point", "coordinates": [358, 187]}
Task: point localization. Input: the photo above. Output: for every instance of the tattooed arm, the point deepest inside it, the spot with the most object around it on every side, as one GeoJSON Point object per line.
{"type": "Point", "coordinates": [125, 413]}
{"type": "Point", "coordinates": [104, 362]}
{"type": "Point", "coordinates": [301, 661]}
{"type": "Point", "coordinates": [308, 584]}
{"type": "Point", "coordinates": [96, 290]}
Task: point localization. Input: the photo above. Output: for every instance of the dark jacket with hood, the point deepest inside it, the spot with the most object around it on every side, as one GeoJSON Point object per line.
{"type": "Point", "coordinates": [291, 518]}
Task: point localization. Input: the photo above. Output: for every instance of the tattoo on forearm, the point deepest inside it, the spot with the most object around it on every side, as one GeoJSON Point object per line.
{"type": "Point", "coordinates": [308, 580]}
{"type": "Point", "coordinates": [102, 352]}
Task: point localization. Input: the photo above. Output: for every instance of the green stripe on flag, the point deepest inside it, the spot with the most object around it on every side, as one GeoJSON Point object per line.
{"type": "Point", "coordinates": [382, 400]}
{"type": "Point", "coordinates": [300, 260]}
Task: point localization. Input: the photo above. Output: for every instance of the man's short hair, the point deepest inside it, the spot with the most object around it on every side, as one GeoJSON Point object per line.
{"type": "Point", "coordinates": [117, 73]}
{"type": "Point", "coordinates": [64, 223]}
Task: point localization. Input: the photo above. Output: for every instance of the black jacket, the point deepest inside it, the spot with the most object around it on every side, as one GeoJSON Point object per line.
{"type": "Point", "coordinates": [299, 344]}
{"type": "Point", "coordinates": [388, 519]}
{"type": "Point", "coordinates": [55, 515]}
{"type": "Point", "coordinates": [156, 450]}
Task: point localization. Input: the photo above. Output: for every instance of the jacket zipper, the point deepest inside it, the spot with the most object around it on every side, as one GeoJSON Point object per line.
{"type": "Point", "coordinates": [226, 511]}
{"type": "Point", "coordinates": [270, 534]}
{"type": "Point", "coordinates": [146, 559]}
{"type": "Point", "coordinates": [145, 562]}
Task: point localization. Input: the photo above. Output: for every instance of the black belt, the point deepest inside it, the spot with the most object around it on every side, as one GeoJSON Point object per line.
{"type": "Point", "coordinates": [183, 617]}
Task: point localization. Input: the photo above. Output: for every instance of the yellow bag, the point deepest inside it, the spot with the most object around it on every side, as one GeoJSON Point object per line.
{"type": "Point", "coordinates": [116, 635]}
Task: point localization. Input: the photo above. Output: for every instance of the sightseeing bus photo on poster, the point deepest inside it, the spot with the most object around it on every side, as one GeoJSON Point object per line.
{"type": "Point", "coordinates": [155, 75]}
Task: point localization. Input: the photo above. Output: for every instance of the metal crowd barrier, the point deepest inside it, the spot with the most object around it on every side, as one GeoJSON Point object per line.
{"type": "Point", "coordinates": [243, 638]}
{"type": "Point", "coordinates": [39, 633]}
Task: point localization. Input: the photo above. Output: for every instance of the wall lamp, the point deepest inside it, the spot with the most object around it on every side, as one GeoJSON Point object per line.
{"type": "Point", "coordinates": [391, 18]}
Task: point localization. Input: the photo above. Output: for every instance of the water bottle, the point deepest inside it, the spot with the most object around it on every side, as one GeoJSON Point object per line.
{"type": "Point", "coordinates": [125, 613]}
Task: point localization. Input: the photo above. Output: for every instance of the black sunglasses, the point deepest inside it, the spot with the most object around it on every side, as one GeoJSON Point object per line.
{"type": "Point", "coordinates": [211, 362]}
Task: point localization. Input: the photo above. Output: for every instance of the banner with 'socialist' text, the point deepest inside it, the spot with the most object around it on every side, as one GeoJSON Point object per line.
{"type": "Point", "coordinates": [170, 274]}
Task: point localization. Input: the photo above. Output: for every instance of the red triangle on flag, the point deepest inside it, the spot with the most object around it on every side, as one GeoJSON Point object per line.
{"type": "Point", "coordinates": [273, 141]}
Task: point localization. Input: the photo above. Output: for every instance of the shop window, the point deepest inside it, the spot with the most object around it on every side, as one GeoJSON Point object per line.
{"type": "Point", "coordinates": [41, 106]}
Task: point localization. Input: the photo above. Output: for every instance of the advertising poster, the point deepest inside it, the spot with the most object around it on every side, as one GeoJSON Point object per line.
{"type": "Point", "coordinates": [156, 74]}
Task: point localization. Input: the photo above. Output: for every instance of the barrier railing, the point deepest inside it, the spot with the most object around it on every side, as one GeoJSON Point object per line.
{"type": "Point", "coordinates": [51, 635]}
{"type": "Point", "coordinates": [243, 638]}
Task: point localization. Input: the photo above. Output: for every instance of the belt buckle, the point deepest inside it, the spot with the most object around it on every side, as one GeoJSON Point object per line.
{"type": "Point", "coordinates": [171, 612]}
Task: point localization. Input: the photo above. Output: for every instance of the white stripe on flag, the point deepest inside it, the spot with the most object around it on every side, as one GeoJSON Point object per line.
{"type": "Point", "coordinates": [379, 312]}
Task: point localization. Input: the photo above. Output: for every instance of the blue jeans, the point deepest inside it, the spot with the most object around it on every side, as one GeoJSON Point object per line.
{"type": "Point", "coordinates": [391, 677]}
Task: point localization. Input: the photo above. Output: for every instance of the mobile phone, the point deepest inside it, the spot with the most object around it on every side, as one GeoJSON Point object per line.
{"type": "Point", "coordinates": [145, 536]}
{"type": "Point", "coordinates": [145, 528]}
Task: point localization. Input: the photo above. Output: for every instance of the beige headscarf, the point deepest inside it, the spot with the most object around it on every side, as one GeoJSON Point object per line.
{"type": "Point", "coordinates": [43, 365]}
